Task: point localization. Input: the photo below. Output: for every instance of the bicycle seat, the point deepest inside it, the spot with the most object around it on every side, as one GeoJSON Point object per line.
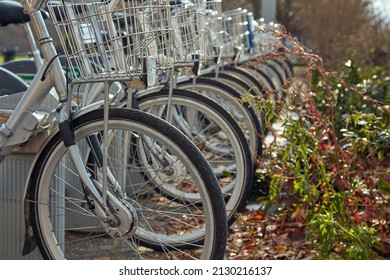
{"type": "Point", "coordinates": [12, 12]}
{"type": "Point", "coordinates": [10, 83]}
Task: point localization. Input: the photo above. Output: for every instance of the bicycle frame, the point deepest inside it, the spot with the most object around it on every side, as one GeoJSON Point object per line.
{"type": "Point", "coordinates": [13, 132]}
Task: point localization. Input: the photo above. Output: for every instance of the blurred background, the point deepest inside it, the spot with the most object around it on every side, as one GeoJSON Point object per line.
{"type": "Point", "coordinates": [334, 29]}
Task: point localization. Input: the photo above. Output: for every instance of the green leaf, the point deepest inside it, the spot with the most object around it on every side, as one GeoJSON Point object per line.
{"type": "Point", "coordinates": [384, 186]}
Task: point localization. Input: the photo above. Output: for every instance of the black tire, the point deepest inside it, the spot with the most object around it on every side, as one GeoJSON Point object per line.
{"type": "Point", "coordinates": [234, 81]}
{"type": "Point", "coordinates": [10, 83]}
{"type": "Point", "coordinates": [283, 67]}
{"type": "Point", "coordinates": [253, 78]}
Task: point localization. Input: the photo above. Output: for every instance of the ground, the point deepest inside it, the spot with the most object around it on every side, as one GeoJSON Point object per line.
{"type": "Point", "coordinates": [255, 236]}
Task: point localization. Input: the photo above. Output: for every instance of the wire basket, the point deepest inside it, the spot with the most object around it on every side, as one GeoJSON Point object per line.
{"type": "Point", "coordinates": [236, 31]}
{"type": "Point", "coordinates": [189, 23]}
{"type": "Point", "coordinates": [214, 26]}
{"type": "Point", "coordinates": [116, 39]}
{"type": "Point", "coordinates": [263, 36]}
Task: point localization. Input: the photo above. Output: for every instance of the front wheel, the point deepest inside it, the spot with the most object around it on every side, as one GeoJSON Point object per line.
{"type": "Point", "coordinates": [62, 214]}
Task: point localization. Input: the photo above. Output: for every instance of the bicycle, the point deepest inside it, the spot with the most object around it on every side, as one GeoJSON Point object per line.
{"type": "Point", "coordinates": [80, 190]}
{"type": "Point", "coordinates": [240, 38]}
{"type": "Point", "coordinates": [208, 125]}
{"type": "Point", "coordinates": [215, 90]}
{"type": "Point", "coordinates": [234, 50]}
{"type": "Point", "coordinates": [205, 122]}
{"type": "Point", "coordinates": [226, 96]}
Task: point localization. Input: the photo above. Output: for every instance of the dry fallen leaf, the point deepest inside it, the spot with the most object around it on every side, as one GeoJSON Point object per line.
{"type": "Point", "coordinates": [281, 248]}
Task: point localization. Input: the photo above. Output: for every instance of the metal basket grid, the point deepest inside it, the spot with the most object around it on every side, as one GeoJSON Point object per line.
{"type": "Point", "coordinates": [189, 22]}
{"type": "Point", "coordinates": [236, 31]}
{"type": "Point", "coordinates": [263, 36]}
{"type": "Point", "coordinates": [114, 40]}
{"type": "Point", "coordinates": [214, 26]}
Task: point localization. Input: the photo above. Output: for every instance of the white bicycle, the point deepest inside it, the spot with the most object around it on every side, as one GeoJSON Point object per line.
{"type": "Point", "coordinates": [93, 186]}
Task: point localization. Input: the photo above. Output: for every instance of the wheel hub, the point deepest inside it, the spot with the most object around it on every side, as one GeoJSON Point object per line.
{"type": "Point", "coordinates": [123, 221]}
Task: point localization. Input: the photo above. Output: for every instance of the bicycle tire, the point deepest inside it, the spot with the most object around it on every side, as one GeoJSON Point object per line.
{"type": "Point", "coordinates": [264, 69]}
{"type": "Point", "coordinates": [216, 134]}
{"type": "Point", "coordinates": [234, 81]}
{"type": "Point", "coordinates": [283, 67]}
{"type": "Point", "coordinates": [278, 77]}
{"type": "Point", "coordinates": [252, 78]}
{"type": "Point", "coordinates": [77, 232]}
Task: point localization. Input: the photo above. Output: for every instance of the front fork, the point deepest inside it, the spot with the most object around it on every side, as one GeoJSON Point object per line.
{"type": "Point", "coordinates": [118, 222]}
{"type": "Point", "coordinates": [117, 214]}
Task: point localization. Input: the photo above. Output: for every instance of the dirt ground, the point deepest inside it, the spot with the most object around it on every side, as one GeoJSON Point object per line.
{"type": "Point", "coordinates": [255, 236]}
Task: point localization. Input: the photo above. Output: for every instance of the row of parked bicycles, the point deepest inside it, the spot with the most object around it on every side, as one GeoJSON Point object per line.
{"type": "Point", "coordinates": [145, 149]}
